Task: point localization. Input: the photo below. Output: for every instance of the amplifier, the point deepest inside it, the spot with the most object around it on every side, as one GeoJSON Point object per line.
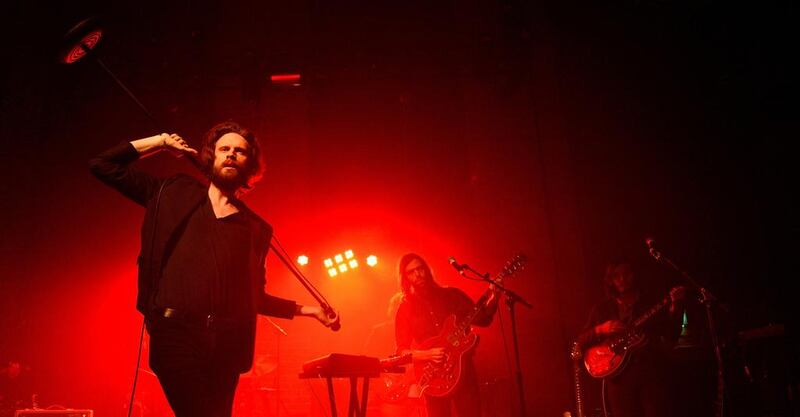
{"type": "Point", "coordinates": [53, 413]}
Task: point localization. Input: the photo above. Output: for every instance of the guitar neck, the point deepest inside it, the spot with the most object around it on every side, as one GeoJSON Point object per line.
{"type": "Point", "coordinates": [575, 354]}
{"type": "Point", "coordinates": [480, 304]}
{"type": "Point", "coordinates": [651, 312]}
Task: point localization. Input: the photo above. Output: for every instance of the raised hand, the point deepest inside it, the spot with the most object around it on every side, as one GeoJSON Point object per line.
{"type": "Point", "coordinates": [176, 145]}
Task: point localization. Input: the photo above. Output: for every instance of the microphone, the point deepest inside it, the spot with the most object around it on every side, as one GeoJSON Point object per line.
{"type": "Point", "coordinates": [458, 267]}
{"type": "Point", "coordinates": [650, 242]}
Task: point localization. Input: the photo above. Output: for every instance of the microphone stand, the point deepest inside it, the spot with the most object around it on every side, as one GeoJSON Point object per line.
{"type": "Point", "coordinates": [707, 298]}
{"type": "Point", "coordinates": [335, 326]}
{"type": "Point", "coordinates": [512, 299]}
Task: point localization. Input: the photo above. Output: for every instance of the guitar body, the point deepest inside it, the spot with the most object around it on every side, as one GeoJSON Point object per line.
{"type": "Point", "coordinates": [608, 358]}
{"type": "Point", "coordinates": [440, 379]}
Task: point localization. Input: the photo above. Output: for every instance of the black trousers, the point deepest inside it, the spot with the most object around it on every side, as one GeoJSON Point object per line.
{"type": "Point", "coordinates": [643, 389]}
{"type": "Point", "coordinates": [193, 368]}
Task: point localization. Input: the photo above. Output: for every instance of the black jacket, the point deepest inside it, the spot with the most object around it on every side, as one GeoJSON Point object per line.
{"type": "Point", "coordinates": [168, 203]}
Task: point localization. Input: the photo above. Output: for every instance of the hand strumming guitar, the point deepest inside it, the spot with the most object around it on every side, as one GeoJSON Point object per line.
{"type": "Point", "coordinates": [435, 354]}
{"type": "Point", "coordinates": [610, 327]}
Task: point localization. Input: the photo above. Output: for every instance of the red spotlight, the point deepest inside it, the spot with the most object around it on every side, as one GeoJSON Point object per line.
{"type": "Point", "coordinates": [285, 79]}
{"type": "Point", "coordinates": [80, 40]}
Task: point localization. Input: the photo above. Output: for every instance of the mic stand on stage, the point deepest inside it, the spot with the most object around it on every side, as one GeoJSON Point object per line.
{"type": "Point", "coordinates": [707, 299]}
{"type": "Point", "coordinates": [511, 301]}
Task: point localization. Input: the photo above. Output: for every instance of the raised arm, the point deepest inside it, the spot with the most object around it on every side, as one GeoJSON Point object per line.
{"type": "Point", "coordinates": [112, 166]}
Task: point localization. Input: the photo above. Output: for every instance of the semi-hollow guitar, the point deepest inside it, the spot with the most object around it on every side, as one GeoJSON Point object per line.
{"type": "Point", "coordinates": [609, 357]}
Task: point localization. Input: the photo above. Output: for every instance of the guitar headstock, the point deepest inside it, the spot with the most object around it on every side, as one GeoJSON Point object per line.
{"type": "Point", "coordinates": [576, 351]}
{"type": "Point", "coordinates": [514, 264]}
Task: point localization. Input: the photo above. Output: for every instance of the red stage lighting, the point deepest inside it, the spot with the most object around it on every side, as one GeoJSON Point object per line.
{"type": "Point", "coordinates": [285, 79]}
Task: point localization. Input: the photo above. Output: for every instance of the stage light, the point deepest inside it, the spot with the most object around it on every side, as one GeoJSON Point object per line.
{"type": "Point", "coordinates": [332, 272]}
{"type": "Point", "coordinates": [353, 263]}
{"type": "Point", "coordinates": [285, 79]}
{"type": "Point", "coordinates": [338, 258]}
{"type": "Point", "coordinates": [302, 260]}
{"type": "Point", "coordinates": [342, 268]}
{"type": "Point", "coordinates": [348, 254]}
{"type": "Point", "coordinates": [372, 260]}
{"type": "Point", "coordinates": [328, 263]}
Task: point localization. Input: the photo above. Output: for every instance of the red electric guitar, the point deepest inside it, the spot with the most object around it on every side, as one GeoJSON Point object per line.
{"type": "Point", "coordinates": [439, 379]}
{"type": "Point", "coordinates": [609, 357]}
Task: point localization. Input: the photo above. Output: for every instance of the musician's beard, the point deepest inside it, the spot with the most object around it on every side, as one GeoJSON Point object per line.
{"type": "Point", "coordinates": [227, 179]}
{"type": "Point", "coordinates": [422, 289]}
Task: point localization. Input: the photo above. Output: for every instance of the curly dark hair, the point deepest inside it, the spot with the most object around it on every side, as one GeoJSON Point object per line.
{"type": "Point", "coordinates": [255, 165]}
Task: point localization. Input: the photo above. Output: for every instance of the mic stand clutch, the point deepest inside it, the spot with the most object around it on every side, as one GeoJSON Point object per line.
{"type": "Point", "coordinates": [707, 299]}
{"type": "Point", "coordinates": [511, 301]}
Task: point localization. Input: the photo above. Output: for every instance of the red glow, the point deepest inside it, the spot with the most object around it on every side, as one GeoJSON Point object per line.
{"type": "Point", "coordinates": [77, 52]}
{"type": "Point", "coordinates": [293, 79]}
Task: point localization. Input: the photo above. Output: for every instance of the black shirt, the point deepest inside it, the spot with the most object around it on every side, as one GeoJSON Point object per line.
{"type": "Point", "coordinates": [206, 266]}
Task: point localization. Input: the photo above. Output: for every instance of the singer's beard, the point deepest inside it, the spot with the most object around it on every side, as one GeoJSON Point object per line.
{"type": "Point", "coordinates": [230, 180]}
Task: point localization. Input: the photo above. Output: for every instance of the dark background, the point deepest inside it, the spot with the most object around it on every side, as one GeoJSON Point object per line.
{"type": "Point", "coordinates": [472, 129]}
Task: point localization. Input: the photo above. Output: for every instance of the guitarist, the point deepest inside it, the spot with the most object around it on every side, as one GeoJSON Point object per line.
{"type": "Point", "coordinates": [642, 388]}
{"type": "Point", "coordinates": [424, 308]}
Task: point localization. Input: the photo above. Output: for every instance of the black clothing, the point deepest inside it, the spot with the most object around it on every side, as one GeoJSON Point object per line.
{"type": "Point", "coordinates": [643, 386]}
{"type": "Point", "coordinates": [419, 319]}
{"type": "Point", "coordinates": [196, 264]}
{"type": "Point", "coordinates": [200, 273]}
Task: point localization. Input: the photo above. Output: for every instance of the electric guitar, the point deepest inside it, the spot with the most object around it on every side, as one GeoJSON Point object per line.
{"type": "Point", "coordinates": [609, 357]}
{"type": "Point", "coordinates": [440, 378]}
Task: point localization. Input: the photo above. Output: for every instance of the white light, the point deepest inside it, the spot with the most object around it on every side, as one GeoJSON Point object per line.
{"type": "Point", "coordinates": [348, 254]}
{"type": "Point", "coordinates": [332, 272]}
{"type": "Point", "coordinates": [372, 260]}
{"type": "Point", "coordinates": [328, 263]}
{"type": "Point", "coordinates": [353, 263]}
{"type": "Point", "coordinates": [302, 260]}
{"type": "Point", "coordinates": [338, 258]}
{"type": "Point", "coordinates": [342, 268]}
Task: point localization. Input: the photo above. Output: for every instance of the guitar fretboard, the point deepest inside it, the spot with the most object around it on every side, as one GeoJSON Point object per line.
{"type": "Point", "coordinates": [651, 312]}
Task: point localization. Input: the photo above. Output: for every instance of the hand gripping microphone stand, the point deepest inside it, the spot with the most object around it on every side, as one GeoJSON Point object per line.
{"type": "Point", "coordinates": [278, 250]}
{"type": "Point", "coordinates": [708, 299]}
{"type": "Point", "coordinates": [511, 300]}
